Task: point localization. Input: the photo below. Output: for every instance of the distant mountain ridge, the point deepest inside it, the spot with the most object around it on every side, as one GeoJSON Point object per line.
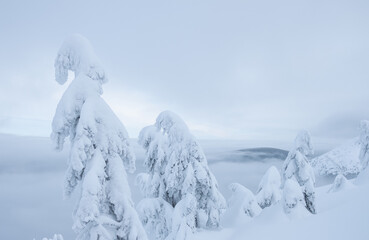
{"type": "Point", "coordinates": [341, 160]}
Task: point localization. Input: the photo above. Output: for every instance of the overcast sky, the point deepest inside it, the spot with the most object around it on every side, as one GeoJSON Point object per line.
{"type": "Point", "coordinates": [230, 69]}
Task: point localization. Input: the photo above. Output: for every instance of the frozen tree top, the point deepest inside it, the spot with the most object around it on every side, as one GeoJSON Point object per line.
{"type": "Point", "coordinates": [173, 125]}
{"type": "Point", "coordinates": [303, 143]}
{"type": "Point", "coordinates": [77, 55]}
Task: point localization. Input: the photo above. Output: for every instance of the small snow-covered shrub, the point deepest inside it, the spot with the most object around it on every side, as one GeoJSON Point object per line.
{"type": "Point", "coordinates": [340, 183]}
{"type": "Point", "coordinates": [55, 237]}
{"type": "Point", "coordinates": [269, 191]}
{"type": "Point", "coordinates": [293, 198]}
{"type": "Point", "coordinates": [297, 166]}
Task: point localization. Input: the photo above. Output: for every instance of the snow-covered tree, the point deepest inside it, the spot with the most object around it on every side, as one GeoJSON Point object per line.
{"type": "Point", "coordinates": [177, 167]}
{"type": "Point", "coordinates": [293, 198]}
{"type": "Point", "coordinates": [269, 190]}
{"type": "Point", "coordinates": [99, 152]}
{"type": "Point", "coordinates": [364, 141]}
{"type": "Point", "coordinates": [297, 166]}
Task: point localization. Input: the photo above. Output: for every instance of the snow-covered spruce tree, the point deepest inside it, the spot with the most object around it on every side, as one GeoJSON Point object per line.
{"type": "Point", "coordinates": [269, 190]}
{"type": "Point", "coordinates": [99, 152]}
{"type": "Point", "coordinates": [363, 176]}
{"type": "Point", "coordinates": [364, 142]}
{"type": "Point", "coordinates": [297, 166]}
{"type": "Point", "coordinates": [177, 167]}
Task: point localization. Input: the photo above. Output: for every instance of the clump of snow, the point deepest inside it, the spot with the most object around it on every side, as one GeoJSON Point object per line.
{"type": "Point", "coordinates": [269, 191]}
{"type": "Point", "coordinates": [341, 160]}
{"type": "Point", "coordinates": [293, 199]}
{"type": "Point", "coordinates": [242, 205]}
{"type": "Point", "coordinates": [340, 183]}
{"type": "Point", "coordinates": [100, 152]}
{"type": "Point", "coordinates": [177, 167]}
{"type": "Point", "coordinates": [296, 166]}
{"type": "Point", "coordinates": [77, 55]}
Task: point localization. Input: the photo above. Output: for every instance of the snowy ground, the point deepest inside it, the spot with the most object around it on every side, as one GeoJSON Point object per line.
{"type": "Point", "coordinates": [31, 175]}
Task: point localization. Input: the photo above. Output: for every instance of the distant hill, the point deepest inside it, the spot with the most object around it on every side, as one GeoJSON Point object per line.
{"type": "Point", "coordinates": [263, 153]}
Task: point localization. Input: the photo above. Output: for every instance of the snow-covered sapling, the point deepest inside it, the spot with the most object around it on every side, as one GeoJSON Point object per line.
{"type": "Point", "coordinates": [269, 190]}
{"type": "Point", "coordinates": [297, 166]}
{"type": "Point", "coordinates": [99, 152]}
{"type": "Point", "coordinates": [55, 237]}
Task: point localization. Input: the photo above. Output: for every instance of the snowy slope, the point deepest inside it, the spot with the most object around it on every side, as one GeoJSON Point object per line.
{"type": "Point", "coordinates": [341, 215]}
{"type": "Point", "coordinates": [341, 160]}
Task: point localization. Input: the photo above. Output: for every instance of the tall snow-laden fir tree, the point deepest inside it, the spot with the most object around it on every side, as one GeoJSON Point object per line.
{"type": "Point", "coordinates": [297, 166]}
{"type": "Point", "coordinates": [100, 151]}
{"type": "Point", "coordinates": [177, 167]}
{"type": "Point", "coordinates": [269, 190]}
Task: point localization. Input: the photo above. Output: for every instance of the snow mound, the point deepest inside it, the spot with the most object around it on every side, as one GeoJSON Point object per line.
{"type": "Point", "coordinates": [341, 160]}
